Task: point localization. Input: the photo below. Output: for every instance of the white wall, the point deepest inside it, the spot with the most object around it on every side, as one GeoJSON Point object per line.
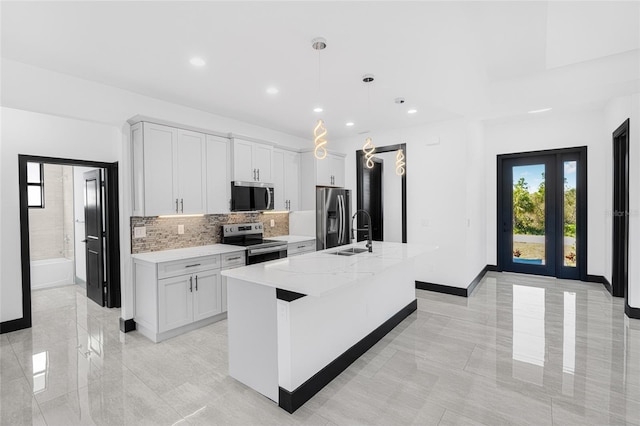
{"type": "Point", "coordinates": [445, 206]}
{"type": "Point", "coordinates": [391, 199]}
{"type": "Point", "coordinates": [615, 113]}
{"type": "Point", "coordinates": [38, 134]}
{"type": "Point", "coordinates": [550, 131]}
{"type": "Point", "coordinates": [83, 104]}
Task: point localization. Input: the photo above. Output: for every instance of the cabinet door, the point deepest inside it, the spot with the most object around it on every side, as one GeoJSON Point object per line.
{"type": "Point", "coordinates": [262, 162]}
{"type": "Point", "coordinates": [336, 164]}
{"type": "Point", "coordinates": [279, 180]}
{"type": "Point", "coordinates": [292, 179]}
{"type": "Point", "coordinates": [207, 295]}
{"type": "Point", "coordinates": [175, 302]}
{"type": "Point", "coordinates": [160, 176]}
{"type": "Point", "coordinates": [243, 161]}
{"type": "Point", "coordinates": [323, 171]}
{"type": "Point", "coordinates": [191, 162]}
{"type": "Point", "coordinates": [218, 175]}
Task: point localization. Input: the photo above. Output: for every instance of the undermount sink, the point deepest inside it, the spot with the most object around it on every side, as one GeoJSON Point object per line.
{"type": "Point", "coordinates": [349, 252]}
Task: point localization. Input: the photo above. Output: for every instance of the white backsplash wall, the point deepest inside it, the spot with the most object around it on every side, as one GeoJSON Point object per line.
{"type": "Point", "coordinates": [51, 228]}
{"type": "Point", "coordinates": [162, 232]}
{"type": "Point", "coordinates": [302, 223]}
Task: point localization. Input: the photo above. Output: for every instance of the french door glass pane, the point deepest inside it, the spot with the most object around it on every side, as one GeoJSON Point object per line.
{"type": "Point", "coordinates": [529, 214]}
{"type": "Point", "coordinates": [569, 209]}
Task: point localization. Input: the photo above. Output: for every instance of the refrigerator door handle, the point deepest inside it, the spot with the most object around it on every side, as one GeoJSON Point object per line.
{"type": "Point", "coordinates": [341, 204]}
{"type": "Point", "coordinates": [339, 199]}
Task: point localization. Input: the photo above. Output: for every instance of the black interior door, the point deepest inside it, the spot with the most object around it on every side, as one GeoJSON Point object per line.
{"type": "Point", "coordinates": [620, 255]}
{"type": "Point", "coordinates": [372, 201]}
{"type": "Point", "coordinates": [94, 232]}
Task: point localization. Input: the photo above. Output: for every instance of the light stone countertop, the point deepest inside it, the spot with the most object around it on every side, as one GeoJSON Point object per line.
{"type": "Point", "coordinates": [320, 272]}
{"type": "Point", "coordinates": [186, 253]}
{"type": "Point", "coordinates": [292, 238]}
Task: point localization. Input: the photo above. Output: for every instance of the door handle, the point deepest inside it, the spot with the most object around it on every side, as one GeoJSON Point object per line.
{"type": "Point", "coordinates": [191, 284]}
{"type": "Point", "coordinates": [196, 283]}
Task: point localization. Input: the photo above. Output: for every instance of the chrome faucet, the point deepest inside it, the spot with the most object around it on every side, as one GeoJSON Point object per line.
{"type": "Point", "coordinates": [369, 243]}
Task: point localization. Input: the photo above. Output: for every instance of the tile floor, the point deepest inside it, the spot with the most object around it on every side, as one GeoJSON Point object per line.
{"type": "Point", "coordinates": [521, 350]}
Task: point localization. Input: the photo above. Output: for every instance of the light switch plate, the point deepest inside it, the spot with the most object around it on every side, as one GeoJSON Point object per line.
{"type": "Point", "coordinates": [139, 232]}
{"type": "Point", "coordinates": [180, 229]}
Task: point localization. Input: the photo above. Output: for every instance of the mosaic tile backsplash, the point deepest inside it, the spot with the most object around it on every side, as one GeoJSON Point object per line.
{"type": "Point", "coordinates": [162, 232]}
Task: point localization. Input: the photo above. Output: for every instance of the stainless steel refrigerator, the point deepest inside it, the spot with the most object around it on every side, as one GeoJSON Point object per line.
{"type": "Point", "coordinates": [333, 217]}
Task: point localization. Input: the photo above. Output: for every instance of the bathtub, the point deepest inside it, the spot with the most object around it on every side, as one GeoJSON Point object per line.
{"type": "Point", "coordinates": [51, 272]}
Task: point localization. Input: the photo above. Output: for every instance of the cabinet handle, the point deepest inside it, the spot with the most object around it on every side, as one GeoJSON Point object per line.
{"type": "Point", "coordinates": [191, 266]}
{"type": "Point", "coordinates": [301, 246]}
{"type": "Point", "coordinates": [191, 284]}
{"type": "Point", "coordinates": [258, 174]}
{"type": "Point", "coordinates": [176, 205]}
{"type": "Point", "coordinates": [254, 174]}
{"type": "Point", "coordinates": [181, 205]}
{"type": "Point", "coordinates": [234, 258]}
{"type": "Point", "coordinates": [196, 283]}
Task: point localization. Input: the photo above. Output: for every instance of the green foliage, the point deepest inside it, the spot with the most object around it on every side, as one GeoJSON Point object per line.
{"type": "Point", "coordinates": [529, 209]}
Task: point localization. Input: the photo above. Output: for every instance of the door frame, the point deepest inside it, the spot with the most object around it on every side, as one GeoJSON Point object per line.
{"type": "Point", "coordinates": [403, 181]}
{"type": "Point", "coordinates": [620, 243]}
{"type": "Point", "coordinates": [112, 227]}
{"type": "Point", "coordinates": [581, 208]}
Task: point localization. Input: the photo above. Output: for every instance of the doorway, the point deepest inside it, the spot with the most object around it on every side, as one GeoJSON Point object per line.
{"type": "Point", "coordinates": [620, 220]}
{"type": "Point", "coordinates": [388, 208]}
{"type": "Point", "coordinates": [542, 213]}
{"type": "Point", "coordinates": [107, 186]}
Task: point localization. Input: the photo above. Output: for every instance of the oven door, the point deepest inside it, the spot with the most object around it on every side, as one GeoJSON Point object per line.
{"type": "Point", "coordinates": [259, 255]}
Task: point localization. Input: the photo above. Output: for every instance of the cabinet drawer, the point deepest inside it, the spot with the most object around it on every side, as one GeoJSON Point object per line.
{"type": "Point", "coordinates": [188, 266]}
{"type": "Point", "coordinates": [231, 260]}
{"type": "Point", "coordinates": [301, 247]}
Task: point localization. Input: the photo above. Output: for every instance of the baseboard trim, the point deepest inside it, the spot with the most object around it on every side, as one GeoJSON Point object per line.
{"type": "Point", "coordinates": [631, 312]}
{"type": "Point", "coordinates": [602, 280]}
{"type": "Point", "coordinates": [456, 291]}
{"type": "Point", "coordinates": [14, 325]}
{"type": "Point", "coordinates": [127, 325]}
{"type": "Point", "coordinates": [291, 401]}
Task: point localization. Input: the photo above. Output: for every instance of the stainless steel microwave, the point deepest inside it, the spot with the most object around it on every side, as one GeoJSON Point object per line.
{"type": "Point", "coordinates": [251, 196]}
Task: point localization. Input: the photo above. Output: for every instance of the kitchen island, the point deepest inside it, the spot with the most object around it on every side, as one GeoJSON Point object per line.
{"type": "Point", "coordinates": [296, 323]}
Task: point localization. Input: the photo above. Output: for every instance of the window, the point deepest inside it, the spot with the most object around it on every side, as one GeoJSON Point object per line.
{"type": "Point", "coordinates": [35, 185]}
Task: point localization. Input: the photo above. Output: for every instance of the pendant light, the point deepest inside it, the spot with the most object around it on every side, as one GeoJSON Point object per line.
{"type": "Point", "coordinates": [368, 148]}
{"type": "Point", "coordinates": [400, 163]}
{"type": "Point", "coordinates": [319, 131]}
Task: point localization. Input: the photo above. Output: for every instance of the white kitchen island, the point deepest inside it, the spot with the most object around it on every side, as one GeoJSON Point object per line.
{"type": "Point", "coordinates": [296, 323]}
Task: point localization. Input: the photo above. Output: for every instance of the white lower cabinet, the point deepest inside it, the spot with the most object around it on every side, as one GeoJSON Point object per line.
{"type": "Point", "coordinates": [302, 247]}
{"type": "Point", "coordinates": [230, 261]}
{"type": "Point", "coordinates": [178, 296]}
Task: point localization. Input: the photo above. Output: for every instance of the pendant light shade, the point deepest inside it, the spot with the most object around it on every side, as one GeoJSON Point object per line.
{"type": "Point", "coordinates": [319, 133]}
{"type": "Point", "coordinates": [400, 163]}
{"type": "Point", "coordinates": [369, 149]}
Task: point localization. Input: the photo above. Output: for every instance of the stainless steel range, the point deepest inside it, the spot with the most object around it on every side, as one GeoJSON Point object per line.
{"type": "Point", "coordinates": [250, 235]}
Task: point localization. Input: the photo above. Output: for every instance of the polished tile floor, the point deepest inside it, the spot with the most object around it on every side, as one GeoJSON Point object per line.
{"type": "Point", "coordinates": [521, 350]}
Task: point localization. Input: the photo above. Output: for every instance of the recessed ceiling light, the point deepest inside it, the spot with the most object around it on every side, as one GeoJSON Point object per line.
{"type": "Point", "coordinates": [317, 109]}
{"type": "Point", "coordinates": [197, 62]}
{"type": "Point", "coordinates": [412, 111]}
{"type": "Point", "coordinates": [349, 124]}
{"type": "Point", "coordinates": [535, 111]}
{"type": "Point", "coordinates": [272, 90]}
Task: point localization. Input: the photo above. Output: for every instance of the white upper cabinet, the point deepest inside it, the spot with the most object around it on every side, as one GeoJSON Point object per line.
{"type": "Point", "coordinates": [286, 179]}
{"type": "Point", "coordinates": [313, 172]}
{"type": "Point", "coordinates": [218, 175]}
{"type": "Point", "coordinates": [251, 161]}
{"type": "Point", "coordinates": [169, 170]}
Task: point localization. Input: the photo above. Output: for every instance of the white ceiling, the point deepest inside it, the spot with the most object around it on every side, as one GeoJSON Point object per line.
{"type": "Point", "coordinates": [478, 59]}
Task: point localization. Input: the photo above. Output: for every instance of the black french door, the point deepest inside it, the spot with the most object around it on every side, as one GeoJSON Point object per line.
{"type": "Point", "coordinates": [542, 213]}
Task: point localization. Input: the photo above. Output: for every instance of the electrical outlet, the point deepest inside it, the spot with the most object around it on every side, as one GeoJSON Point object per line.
{"type": "Point", "coordinates": [139, 232]}
{"type": "Point", "coordinates": [273, 223]}
{"type": "Point", "coordinates": [180, 229]}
